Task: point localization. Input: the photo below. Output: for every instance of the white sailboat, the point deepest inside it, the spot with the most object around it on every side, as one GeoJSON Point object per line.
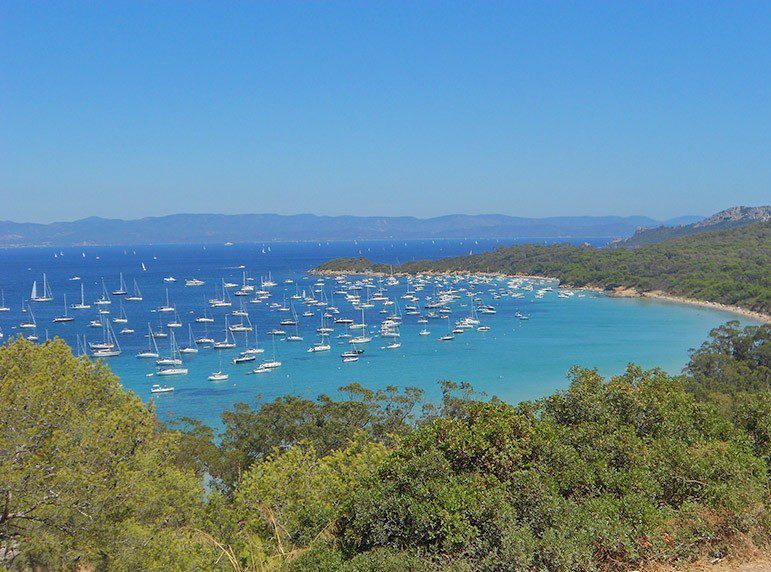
{"type": "Point", "coordinates": [110, 346]}
{"type": "Point", "coordinates": [121, 291]}
{"type": "Point", "coordinates": [152, 346]}
{"type": "Point", "coordinates": [156, 388]}
{"type": "Point", "coordinates": [171, 365]}
{"type": "Point", "coordinates": [65, 317]}
{"type": "Point", "coordinates": [271, 363]}
{"type": "Point", "coordinates": [168, 307]}
{"type": "Point", "coordinates": [82, 305]}
{"type": "Point", "coordinates": [105, 299]}
{"type": "Point", "coordinates": [29, 323]}
{"type": "Point", "coordinates": [46, 295]}
{"type": "Point", "coordinates": [218, 375]}
{"type": "Point", "coordinates": [192, 346]}
{"type": "Point", "coordinates": [3, 307]}
{"type": "Point", "coordinates": [121, 318]}
{"type": "Point", "coordinates": [136, 295]}
{"type": "Point", "coordinates": [228, 342]}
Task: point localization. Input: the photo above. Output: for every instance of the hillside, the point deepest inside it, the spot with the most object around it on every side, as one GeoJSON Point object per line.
{"type": "Point", "coordinates": [214, 228]}
{"type": "Point", "coordinates": [729, 267]}
{"type": "Point", "coordinates": [724, 220]}
{"type": "Point", "coordinates": [632, 472]}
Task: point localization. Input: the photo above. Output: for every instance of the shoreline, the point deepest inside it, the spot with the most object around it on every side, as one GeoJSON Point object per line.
{"type": "Point", "coordinates": [620, 292]}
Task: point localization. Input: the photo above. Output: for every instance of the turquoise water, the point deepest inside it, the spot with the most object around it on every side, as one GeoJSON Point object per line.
{"type": "Point", "coordinates": [516, 360]}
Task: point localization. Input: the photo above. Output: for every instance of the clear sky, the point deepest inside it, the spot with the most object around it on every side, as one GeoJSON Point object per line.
{"type": "Point", "coordinates": [129, 109]}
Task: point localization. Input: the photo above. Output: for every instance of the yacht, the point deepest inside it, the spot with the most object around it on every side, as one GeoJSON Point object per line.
{"type": "Point", "coordinates": [105, 299]}
{"type": "Point", "coordinates": [109, 347]}
{"type": "Point", "coordinates": [172, 364]}
{"type": "Point", "coordinates": [228, 342]}
{"type": "Point", "coordinates": [121, 318]}
{"type": "Point", "coordinates": [136, 295]}
{"type": "Point", "coordinates": [45, 295]}
{"type": "Point", "coordinates": [168, 307]}
{"type": "Point", "coordinates": [161, 388]}
{"type": "Point", "coordinates": [65, 317]}
{"type": "Point", "coordinates": [194, 282]}
{"type": "Point", "coordinates": [152, 346]}
{"type": "Point", "coordinates": [192, 346]}
{"type": "Point", "coordinates": [29, 323]}
{"type": "Point", "coordinates": [244, 357]}
{"type": "Point", "coordinates": [271, 363]}
{"type": "Point", "coordinates": [205, 319]}
{"type": "Point", "coordinates": [218, 376]}
{"type": "Point", "coordinates": [82, 305]}
{"type": "Point", "coordinates": [121, 291]}
{"type": "Point", "coordinates": [176, 322]}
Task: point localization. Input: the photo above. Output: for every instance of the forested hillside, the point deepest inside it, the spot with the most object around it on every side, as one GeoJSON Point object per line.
{"type": "Point", "coordinates": [608, 474]}
{"type": "Point", "coordinates": [729, 267]}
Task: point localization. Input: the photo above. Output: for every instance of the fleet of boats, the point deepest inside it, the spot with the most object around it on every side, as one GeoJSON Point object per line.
{"type": "Point", "coordinates": [350, 312]}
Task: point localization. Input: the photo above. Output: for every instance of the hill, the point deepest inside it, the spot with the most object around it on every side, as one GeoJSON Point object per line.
{"type": "Point", "coordinates": [730, 267]}
{"type": "Point", "coordinates": [729, 218]}
{"type": "Point", "coordinates": [215, 228]}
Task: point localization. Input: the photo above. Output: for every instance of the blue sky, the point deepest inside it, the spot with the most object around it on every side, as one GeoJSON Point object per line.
{"type": "Point", "coordinates": [130, 109]}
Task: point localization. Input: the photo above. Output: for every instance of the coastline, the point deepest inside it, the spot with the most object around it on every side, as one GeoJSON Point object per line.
{"type": "Point", "coordinates": [620, 292]}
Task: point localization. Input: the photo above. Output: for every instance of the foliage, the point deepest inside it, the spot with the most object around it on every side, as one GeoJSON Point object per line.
{"type": "Point", "coordinates": [607, 474]}
{"type": "Point", "coordinates": [601, 473]}
{"type": "Point", "coordinates": [85, 475]}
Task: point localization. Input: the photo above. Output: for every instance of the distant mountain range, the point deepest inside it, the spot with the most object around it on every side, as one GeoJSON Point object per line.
{"type": "Point", "coordinates": [729, 218]}
{"type": "Point", "coordinates": [214, 228]}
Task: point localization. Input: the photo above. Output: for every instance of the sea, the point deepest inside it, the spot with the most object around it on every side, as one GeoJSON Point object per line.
{"type": "Point", "coordinates": [532, 342]}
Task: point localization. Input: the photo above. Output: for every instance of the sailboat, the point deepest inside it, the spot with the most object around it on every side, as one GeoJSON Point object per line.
{"type": "Point", "coordinates": [205, 319]}
{"type": "Point", "coordinates": [448, 336]}
{"type": "Point", "coordinates": [105, 299]}
{"type": "Point", "coordinates": [82, 305]}
{"type": "Point", "coordinates": [109, 347]}
{"type": "Point", "coordinates": [152, 346]}
{"type": "Point", "coordinates": [173, 361]}
{"type": "Point", "coordinates": [168, 307]}
{"type": "Point", "coordinates": [121, 318]}
{"type": "Point", "coordinates": [65, 317]}
{"type": "Point", "coordinates": [46, 295]}
{"type": "Point", "coordinates": [227, 343]}
{"type": "Point", "coordinates": [218, 375]}
{"type": "Point", "coordinates": [136, 295]}
{"type": "Point", "coordinates": [29, 323]}
{"type": "Point", "coordinates": [156, 388]}
{"type": "Point", "coordinates": [296, 337]}
{"type": "Point", "coordinates": [191, 347]}
{"type": "Point", "coordinates": [121, 291]}
{"type": "Point", "coordinates": [205, 339]}
{"type": "Point", "coordinates": [362, 338]}
{"type": "Point", "coordinates": [253, 350]}
{"type": "Point", "coordinates": [269, 364]}
{"type": "Point", "coordinates": [3, 307]}
{"type": "Point", "coordinates": [176, 322]}
{"type": "Point", "coordinates": [322, 345]}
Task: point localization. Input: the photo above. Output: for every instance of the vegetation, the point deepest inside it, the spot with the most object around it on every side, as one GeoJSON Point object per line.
{"type": "Point", "coordinates": [609, 473]}
{"type": "Point", "coordinates": [728, 267]}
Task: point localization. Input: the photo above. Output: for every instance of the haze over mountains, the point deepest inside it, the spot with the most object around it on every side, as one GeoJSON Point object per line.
{"type": "Point", "coordinates": [724, 220]}
{"type": "Point", "coordinates": [214, 228]}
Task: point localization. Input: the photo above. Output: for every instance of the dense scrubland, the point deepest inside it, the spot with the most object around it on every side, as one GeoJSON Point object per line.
{"type": "Point", "coordinates": [727, 267]}
{"type": "Point", "coordinates": [608, 474]}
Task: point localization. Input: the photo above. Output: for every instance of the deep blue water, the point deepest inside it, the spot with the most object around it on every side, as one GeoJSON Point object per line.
{"type": "Point", "coordinates": [516, 360]}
